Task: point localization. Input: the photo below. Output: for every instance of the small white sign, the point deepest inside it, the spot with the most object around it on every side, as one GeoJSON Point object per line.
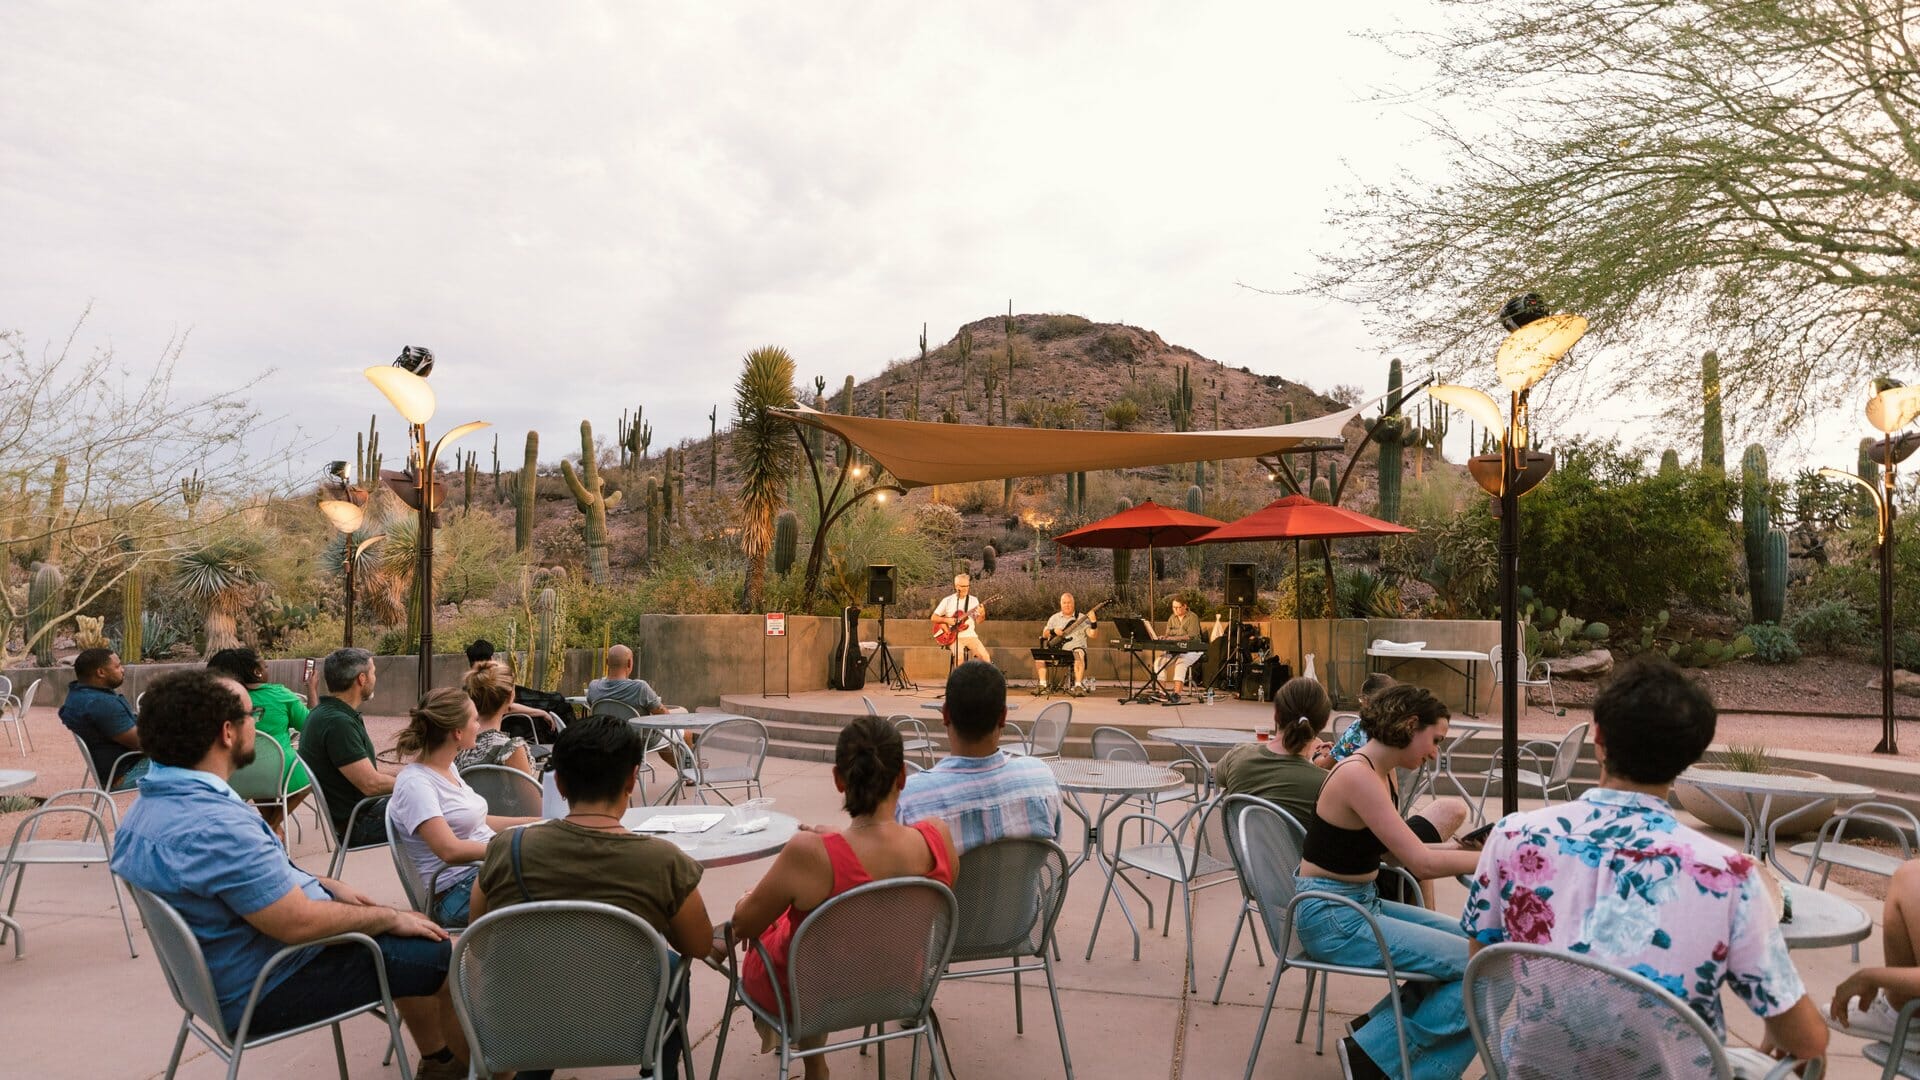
{"type": "Point", "coordinates": [776, 624]}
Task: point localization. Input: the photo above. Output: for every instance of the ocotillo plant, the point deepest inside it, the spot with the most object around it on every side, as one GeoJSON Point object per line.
{"type": "Point", "coordinates": [713, 448]}
{"type": "Point", "coordinates": [1755, 520]}
{"type": "Point", "coordinates": [523, 492]}
{"type": "Point", "coordinates": [43, 605]}
{"type": "Point", "coordinates": [1713, 446]}
{"type": "Point", "coordinates": [786, 540]}
{"type": "Point", "coordinates": [589, 494]}
{"type": "Point", "coordinates": [1393, 434]}
{"type": "Point", "coordinates": [132, 643]}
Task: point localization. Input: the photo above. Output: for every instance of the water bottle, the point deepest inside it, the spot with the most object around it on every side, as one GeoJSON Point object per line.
{"type": "Point", "coordinates": [1092, 684]}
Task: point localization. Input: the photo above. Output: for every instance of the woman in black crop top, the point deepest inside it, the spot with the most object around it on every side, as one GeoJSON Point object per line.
{"type": "Point", "coordinates": [1356, 821]}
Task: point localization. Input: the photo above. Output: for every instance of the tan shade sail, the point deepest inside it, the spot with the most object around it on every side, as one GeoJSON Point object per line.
{"type": "Point", "coordinates": [918, 453]}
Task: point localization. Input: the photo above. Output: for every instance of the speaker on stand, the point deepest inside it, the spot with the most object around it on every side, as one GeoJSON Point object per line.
{"type": "Point", "coordinates": [1241, 592]}
{"type": "Point", "coordinates": [880, 591]}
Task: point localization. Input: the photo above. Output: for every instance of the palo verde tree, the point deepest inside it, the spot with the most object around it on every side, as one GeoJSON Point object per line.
{"type": "Point", "coordinates": [1688, 174]}
{"type": "Point", "coordinates": [764, 456]}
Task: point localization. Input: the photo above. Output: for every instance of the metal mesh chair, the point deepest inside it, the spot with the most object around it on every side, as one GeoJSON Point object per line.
{"type": "Point", "coordinates": [565, 984]}
{"type": "Point", "coordinates": [1010, 893]}
{"type": "Point", "coordinates": [1895, 1065]}
{"type": "Point", "coordinates": [871, 956]}
{"type": "Point", "coordinates": [914, 737]}
{"type": "Point", "coordinates": [89, 778]}
{"type": "Point", "coordinates": [1530, 676]}
{"type": "Point", "coordinates": [28, 850]}
{"type": "Point", "coordinates": [1267, 853]}
{"type": "Point", "coordinates": [268, 778]}
{"type": "Point", "coordinates": [1552, 766]}
{"type": "Point", "coordinates": [1229, 814]}
{"type": "Point", "coordinates": [1539, 1013]}
{"type": "Point", "coordinates": [508, 791]}
{"type": "Point", "coordinates": [185, 967]}
{"type": "Point", "coordinates": [727, 755]}
{"type": "Point", "coordinates": [419, 889]}
{"type": "Point", "coordinates": [13, 713]}
{"type": "Point", "coordinates": [1118, 744]}
{"type": "Point", "coordinates": [1829, 848]}
{"type": "Point", "coordinates": [337, 842]}
{"type": "Point", "coordinates": [1191, 865]}
{"type": "Point", "coordinates": [1049, 732]}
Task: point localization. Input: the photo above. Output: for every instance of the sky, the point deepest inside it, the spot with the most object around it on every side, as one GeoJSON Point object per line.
{"type": "Point", "coordinates": [581, 208]}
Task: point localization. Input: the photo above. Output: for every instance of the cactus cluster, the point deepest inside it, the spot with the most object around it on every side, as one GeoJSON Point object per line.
{"type": "Point", "coordinates": [366, 456]}
{"type": "Point", "coordinates": [1180, 401]}
{"type": "Point", "coordinates": [470, 479]}
{"type": "Point", "coordinates": [191, 488]}
{"type": "Point", "coordinates": [1766, 547]}
{"type": "Point", "coordinates": [590, 495]}
{"type": "Point", "coordinates": [636, 435]}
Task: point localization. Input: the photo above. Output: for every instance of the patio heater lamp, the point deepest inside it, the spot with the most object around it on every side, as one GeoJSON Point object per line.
{"type": "Point", "coordinates": [1891, 408]}
{"type": "Point", "coordinates": [404, 383]}
{"type": "Point", "coordinates": [345, 508]}
{"type": "Point", "coordinates": [1535, 342]}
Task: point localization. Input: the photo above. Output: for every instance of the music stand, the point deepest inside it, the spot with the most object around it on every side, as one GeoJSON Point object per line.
{"type": "Point", "coordinates": [891, 673]}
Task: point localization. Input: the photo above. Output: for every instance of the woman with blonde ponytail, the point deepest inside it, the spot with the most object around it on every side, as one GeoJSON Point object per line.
{"type": "Point", "coordinates": [438, 821]}
{"type": "Point", "coordinates": [1282, 771]}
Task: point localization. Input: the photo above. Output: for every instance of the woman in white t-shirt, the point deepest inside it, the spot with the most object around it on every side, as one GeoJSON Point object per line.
{"type": "Point", "coordinates": [440, 823]}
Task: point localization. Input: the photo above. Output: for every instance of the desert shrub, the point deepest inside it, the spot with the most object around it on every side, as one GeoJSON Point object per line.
{"type": "Point", "coordinates": [938, 524]}
{"type": "Point", "coordinates": [1772, 644]}
{"type": "Point", "coordinates": [976, 498]}
{"type": "Point", "coordinates": [1122, 415]}
{"type": "Point", "coordinates": [1041, 413]}
{"type": "Point", "coordinates": [1906, 650]}
{"type": "Point", "coordinates": [478, 556]}
{"type": "Point", "coordinates": [1456, 555]}
{"type": "Point", "coordinates": [1115, 346]}
{"type": "Point", "coordinates": [1052, 327]}
{"type": "Point", "coordinates": [1830, 627]}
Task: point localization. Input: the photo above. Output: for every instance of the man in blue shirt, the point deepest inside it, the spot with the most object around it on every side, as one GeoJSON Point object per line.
{"type": "Point", "coordinates": [194, 843]}
{"type": "Point", "coordinates": [95, 711]}
{"type": "Point", "coordinates": [982, 792]}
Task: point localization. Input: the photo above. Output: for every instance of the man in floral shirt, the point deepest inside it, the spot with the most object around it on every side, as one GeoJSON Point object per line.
{"type": "Point", "coordinates": [1613, 875]}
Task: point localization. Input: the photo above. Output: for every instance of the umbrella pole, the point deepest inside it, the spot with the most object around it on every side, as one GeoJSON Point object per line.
{"type": "Point", "coordinates": [1299, 617]}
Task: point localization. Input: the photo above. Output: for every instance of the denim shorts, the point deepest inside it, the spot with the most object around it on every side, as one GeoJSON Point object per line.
{"type": "Point", "coordinates": [340, 977]}
{"type": "Point", "coordinates": [451, 907]}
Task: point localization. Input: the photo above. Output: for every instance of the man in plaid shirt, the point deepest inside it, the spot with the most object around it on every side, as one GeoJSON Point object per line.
{"type": "Point", "coordinates": [982, 792]}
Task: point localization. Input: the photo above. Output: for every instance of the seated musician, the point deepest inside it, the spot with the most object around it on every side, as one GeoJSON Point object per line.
{"type": "Point", "coordinates": [1183, 626]}
{"type": "Point", "coordinates": [962, 609]}
{"type": "Point", "coordinates": [1055, 637]}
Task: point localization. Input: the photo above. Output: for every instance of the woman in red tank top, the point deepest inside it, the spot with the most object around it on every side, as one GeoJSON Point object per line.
{"type": "Point", "coordinates": [869, 768]}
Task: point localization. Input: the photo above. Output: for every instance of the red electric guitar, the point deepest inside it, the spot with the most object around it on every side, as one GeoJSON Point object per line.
{"type": "Point", "coordinates": [945, 634]}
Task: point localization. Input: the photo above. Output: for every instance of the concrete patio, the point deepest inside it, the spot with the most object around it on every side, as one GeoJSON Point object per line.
{"type": "Point", "coordinates": [76, 1006]}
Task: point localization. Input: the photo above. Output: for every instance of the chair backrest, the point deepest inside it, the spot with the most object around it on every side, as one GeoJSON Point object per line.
{"type": "Point", "coordinates": [1009, 894]}
{"type": "Point", "coordinates": [1210, 838]}
{"type": "Point", "coordinates": [1567, 757]}
{"type": "Point", "coordinates": [909, 727]}
{"type": "Point", "coordinates": [265, 778]}
{"type": "Point", "coordinates": [181, 960]}
{"type": "Point", "coordinates": [508, 791]}
{"type": "Point", "coordinates": [419, 893]}
{"type": "Point", "coordinates": [1494, 662]}
{"type": "Point", "coordinates": [868, 702]}
{"type": "Point", "coordinates": [561, 984]}
{"type": "Point", "coordinates": [6, 686]}
{"type": "Point", "coordinates": [619, 710]}
{"type": "Point", "coordinates": [1049, 732]}
{"type": "Point", "coordinates": [1537, 1011]}
{"type": "Point", "coordinates": [91, 777]}
{"type": "Point", "coordinates": [1114, 744]}
{"type": "Point", "coordinates": [737, 743]}
{"type": "Point", "coordinates": [26, 699]}
{"type": "Point", "coordinates": [1266, 854]}
{"type": "Point", "coordinates": [871, 955]}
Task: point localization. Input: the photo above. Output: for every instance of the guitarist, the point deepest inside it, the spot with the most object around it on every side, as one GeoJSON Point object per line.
{"type": "Point", "coordinates": [962, 612]}
{"type": "Point", "coordinates": [1070, 632]}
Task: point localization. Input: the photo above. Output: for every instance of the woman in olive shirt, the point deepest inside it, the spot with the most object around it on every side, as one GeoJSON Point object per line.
{"type": "Point", "coordinates": [281, 712]}
{"type": "Point", "coordinates": [1283, 773]}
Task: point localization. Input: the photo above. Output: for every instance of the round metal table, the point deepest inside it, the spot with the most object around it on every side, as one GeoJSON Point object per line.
{"type": "Point", "coordinates": [1194, 742]}
{"type": "Point", "coordinates": [14, 780]}
{"type": "Point", "coordinates": [690, 721]}
{"type": "Point", "coordinates": [1115, 782]}
{"type": "Point", "coordinates": [1757, 791]}
{"type": "Point", "coordinates": [719, 846]}
{"type": "Point", "coordinates": [936, 706]}
{"type": "Point", "coordinates": [1822, 920]}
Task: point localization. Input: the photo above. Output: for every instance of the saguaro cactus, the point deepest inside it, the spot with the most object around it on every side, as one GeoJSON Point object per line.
{"type": "Point", "coordinates": [1869, 470]}
{"type": "Point", "coordinates": [655, 536]}
{"type": "Point", "coordinates": [56, 504]}
{"type": "Point", "coordinates": [1755, 520]}
{"type": "Point", "coordinates": [1713, 440]}
{"type": "Point", "coordinates": [1669, 461]}
{"type": "Point", "coordinates": [546, 610]}
{"type": "Point", "coordinates": [713, 443]}
{"type": "Point", "coordinates": [366, 456]}
{"type": "Point", "coordinates": [786, 539]}
{"type": "Point", "coordinates": [989, 560]}
{"type": "Point", "coordinates": [1770, 600]}
{"type": "Point", "coordinates": [132, 644]}
{"type": "Point", "coordinates": [43, 605]}
{"type": "Point", "coordinates": [1180, 401]}
{"type": "Point", "coordinates": [589, 494]}
{"type": "Point", "coordinates": [523, 491]}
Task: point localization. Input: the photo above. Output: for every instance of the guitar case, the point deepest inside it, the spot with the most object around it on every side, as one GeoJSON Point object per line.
{"type": "Point", "coordinates": [849, 663]}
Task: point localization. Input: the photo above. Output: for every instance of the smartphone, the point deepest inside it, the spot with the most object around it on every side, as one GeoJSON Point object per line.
{"type": "Point", "coordinates": [1478, 837]}
{"type": "Point", "coordinates": [307, 676]}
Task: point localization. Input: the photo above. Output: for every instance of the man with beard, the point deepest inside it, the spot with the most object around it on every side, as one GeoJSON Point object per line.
{"type": "Point", "coordinates": [193, 842]}
{"type": "Point", "coordinates": [95, 711]}
{"type": "Point", "coordinates": [339, 752]}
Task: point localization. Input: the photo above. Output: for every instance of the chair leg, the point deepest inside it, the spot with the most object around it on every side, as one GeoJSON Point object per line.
{"type": "Point", "coordinates": [179, 1045]}
{"type": "Point", "coordinates": [1320, 1036]}
{"type": "Point", "coordinates": [1101, 914]}
{"type": "Point", "coordinates": [1167, 924]}
{"type": "Point", "coordinates": [121, 903]}
{"type": "Point", "coordinates": [1019, 1011]}
{"type": "Point", "coordinates": [1059, 1018]}
{"type": "Point", "coordinates": [1266, 1012]}
{"type": "Point", "coordinates": [1306, 1004]}
{"type": "Point", "coordinates": [19, 877]}
{"type": "Point", "coordinates": [233, 1063]}
{"type": "Point", "coordinates": [720, 1043]}
{"type": "Point", "coordinates": [1238, 925]}
{"type": "Point", "coordinates": [1186, 906]}
{"type": "Point", "coordinates": [340, 1052]}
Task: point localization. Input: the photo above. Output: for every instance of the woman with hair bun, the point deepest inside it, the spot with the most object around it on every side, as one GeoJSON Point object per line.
{"type": "Point", "coordinates": [490, 686]}
{"type": "Point", "coordinates": [1282, 771]}
{"type": "Point", "coordinates": [869, 768]}
{"type": "Point", "coordinates": [439, 822]}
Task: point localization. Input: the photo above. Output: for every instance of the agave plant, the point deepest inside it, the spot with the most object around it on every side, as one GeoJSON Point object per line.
{"type": "Point", "coordinates": [222, 579]}
{"type": "Point", "coordinates": [390, 579]}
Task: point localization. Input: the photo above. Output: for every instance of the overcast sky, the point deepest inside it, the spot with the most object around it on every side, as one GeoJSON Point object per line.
{"type": "Point", "coordinates": [581, 208]}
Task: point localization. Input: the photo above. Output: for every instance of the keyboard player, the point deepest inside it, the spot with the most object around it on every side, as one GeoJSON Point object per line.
{"type": "Point", "coordinates": [1184, 625]}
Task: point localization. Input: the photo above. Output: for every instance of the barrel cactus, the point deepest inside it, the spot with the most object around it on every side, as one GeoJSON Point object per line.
{"type": "Point", "coordinates": [989, 560]}
{"type": "Point", "coordinates": [786, 538]}
{"type": "Point", "coordinates": [1193, 498]}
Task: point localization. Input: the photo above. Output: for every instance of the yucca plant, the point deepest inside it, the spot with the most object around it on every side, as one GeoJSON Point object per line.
{"type": "Point", "coordinates": [1754, 758]}
{"type": "Point", "coordinates": [765, 456]}
{"type": "Point", "coordinates": [221, 578]}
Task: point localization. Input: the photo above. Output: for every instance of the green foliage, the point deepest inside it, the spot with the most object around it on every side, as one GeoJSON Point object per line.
{"type": "Point", "coordinates": [1453, 553]}
{"type": "Point", "coordinates": [1603, 535]}
{"type": "Point", "coordinates": [1041, 413]}
{"type": "Point", "coordinates": [158, 636]}
{"type": "Point", "coordinates": [1180, 400]}
{"type": "Point", "coordinates": [1365, 595]}
{"type": "Point", "coordinates": [1122, 415]}
{"type": "Point", "coordinates": [1669, 461]}
{"type": "Point", "coordinates": [471, 559]}
{"type": "Point", "coordinates": [1115, 346]}
{"type": "Point", "coordinates": [1772, 644]}
{"type": "Point", "coordinates": [765, 457]}
{"type": "Point", "coordinates": [1551, 632]}
{"type": "Point", "coordinates": [1311, 603]}
{"type": "Point", "coordinates": [1754, 758]}
{"type": "Point", "coordinates": [1831, 627]}
{"type": "Point", "coordinates": [1053, 327]}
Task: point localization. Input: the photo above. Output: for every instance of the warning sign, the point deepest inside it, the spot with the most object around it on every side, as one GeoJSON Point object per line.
{"type": "Point", "coordinates": [776, 624]}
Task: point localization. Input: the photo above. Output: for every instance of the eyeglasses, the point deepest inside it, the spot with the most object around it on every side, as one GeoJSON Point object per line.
{"type": "Point", "coordinates": [256, 714]}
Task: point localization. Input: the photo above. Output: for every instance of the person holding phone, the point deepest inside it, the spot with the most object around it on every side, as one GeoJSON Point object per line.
{"type": "Point", "coordinates": [280, 712]}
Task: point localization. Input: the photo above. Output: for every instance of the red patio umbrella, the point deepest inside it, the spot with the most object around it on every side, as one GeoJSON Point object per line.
{"type": "Point", "coordinates": [1148, 526]}
{"type": "Point", "coordinates": [1298, 518]}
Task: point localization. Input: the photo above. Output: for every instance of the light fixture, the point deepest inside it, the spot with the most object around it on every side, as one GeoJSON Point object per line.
{"type": "Point", "coordinates": [415, 358]}
{"type": "Point", "coordinates": [1531, 349]}
{"type": "Point", "coordinates": [342, 515]}
{"type": "Point", "coordinates": [1475, 403]}
{"type": "Point", "coordinates": [408, 392]}
{"type": "Point", "coordinates": [1893, 408]}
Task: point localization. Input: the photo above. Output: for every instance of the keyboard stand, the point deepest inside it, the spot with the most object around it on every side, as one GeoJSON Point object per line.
{"type": "Point", "coordinates": [1151, 691]}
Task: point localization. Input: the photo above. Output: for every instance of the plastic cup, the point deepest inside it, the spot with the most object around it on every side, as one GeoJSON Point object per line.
{"type": "Point", "coordinates": [751, 812]}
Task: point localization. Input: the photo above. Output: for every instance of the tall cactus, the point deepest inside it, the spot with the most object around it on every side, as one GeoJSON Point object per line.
{"type": "Point", "coordinates": [1320, 491]}
{"type": "Point", "coordinates": [523, 492]}
{"type": "Point", "coordinates": [1122, 572]}
{"type": "Point", "coordinates": [713, 444]}
{"type": "Point", "coordinates": [132, 645]}
{"type": "Point", "coordinates": [786, 539]}
{"type": "Point", "coordinates": [1770, 600]}
{"type": "Point", "coordinates": [498, 494]}
{"type": "Point", "coordinates": [1869, 470]}
{"type": "Point", "coordinates": [589, 494]}
{"type": "Point", "coordinates": [654, 534]}
{"type": "Point", "coordinates": [963, 348]}
{"type": "Point", "coordinates": [469, 479]}
{"type": "Point", "coordinates": [1669, 461]}
{"type": "Point", "coordinates": [546, 650]}
{"type": "Point", "coordinates": [1755, 520]}
{"type": "Point", "coordinates": [43, 606]}
{"type": "Point", "coordinates": [666, 487]}
{"type": "Point", "coordinates": [1194, 495]}
{"type": "Point", "coordinates": [1180, 400]}
{"type": "Point", "coordinates": [846, 397]}
{"type": "Point", "coordinates": [192, 488]}
{"type": "Point", "coordinates": [1393, 435]}
{"type": "Point", "coordinates": [989, 560]}
{"type": "Point", "coordinates": [56, 505]}
{"type": "Point", "coordinates": [1713, 444]}
{"type": "Point", "coordinates": [366, 456]}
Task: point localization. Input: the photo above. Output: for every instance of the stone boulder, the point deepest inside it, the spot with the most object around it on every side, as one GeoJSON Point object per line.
{"type": "Point", "coordinates": [1904, 682]}
{"type": "Point", "coordinates": [1596, 664]}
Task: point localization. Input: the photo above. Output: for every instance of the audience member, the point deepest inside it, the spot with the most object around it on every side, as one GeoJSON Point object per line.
{"type": "Point", "coordinates": [1354, 736]}
{"type": "Point", "coordinates": [192, 842]}
{"type": "Point", "coordinates": [95, 711]}
{"type": "Point", "coordinates": [490, 688]}
{"type": "Point", "coordinates": [1616, 877]}
{"type": "Point", "coordinates": [278, 712]}
{"type": "Point", "coordinates": [620, 685]}
{"type": "Point", "coordinates": [1868, 1001]}
{"type": "Point", "coordinates": [338, 751]}
{"type": "Point", "coordinates": [590, 855]}
{"type": "Point", "coordinates": [1356, 820]}
{"type": "Point", "coordinates": [481, 652]}
{"type": "Point", "coordinates": [980, 791]}
{"type": "Point", "coordinates": [869, 768]}
{"type": "Point", "coordinates": [1279, 770]}
{"type": "Point", "coordinates": [439, 822]}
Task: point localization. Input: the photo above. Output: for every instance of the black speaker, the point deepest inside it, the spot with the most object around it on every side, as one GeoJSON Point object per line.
{"type": "Point", "coordinates": [880, 583]}
{"type": "Point", "coordinates": [1241, 590]}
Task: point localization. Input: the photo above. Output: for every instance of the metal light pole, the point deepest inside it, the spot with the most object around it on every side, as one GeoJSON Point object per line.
{"type": "Point", "coordinates": [405, 385]}
{"type": "Point", "coordinates": [1536, 341]}
{"type": "Point", "coordinates": [347, 514]}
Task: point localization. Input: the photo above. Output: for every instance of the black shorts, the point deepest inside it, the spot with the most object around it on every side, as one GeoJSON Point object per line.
{"type": "Point", "coordinates": [1423, 829]}
{"type": "Point", "coordinates": [342, 976]}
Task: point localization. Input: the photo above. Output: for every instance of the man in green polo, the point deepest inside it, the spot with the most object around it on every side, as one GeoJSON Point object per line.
{"type": "Point", "coordinates": [339, 752]}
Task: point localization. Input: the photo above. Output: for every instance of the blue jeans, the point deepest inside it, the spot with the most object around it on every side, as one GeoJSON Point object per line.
{"type": "Point", "coordinates": [339, 977]}
{"type": "Point", "coordinates": [1439, 1043]}
{"type": "Point", "coordinates": [450, 908]}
